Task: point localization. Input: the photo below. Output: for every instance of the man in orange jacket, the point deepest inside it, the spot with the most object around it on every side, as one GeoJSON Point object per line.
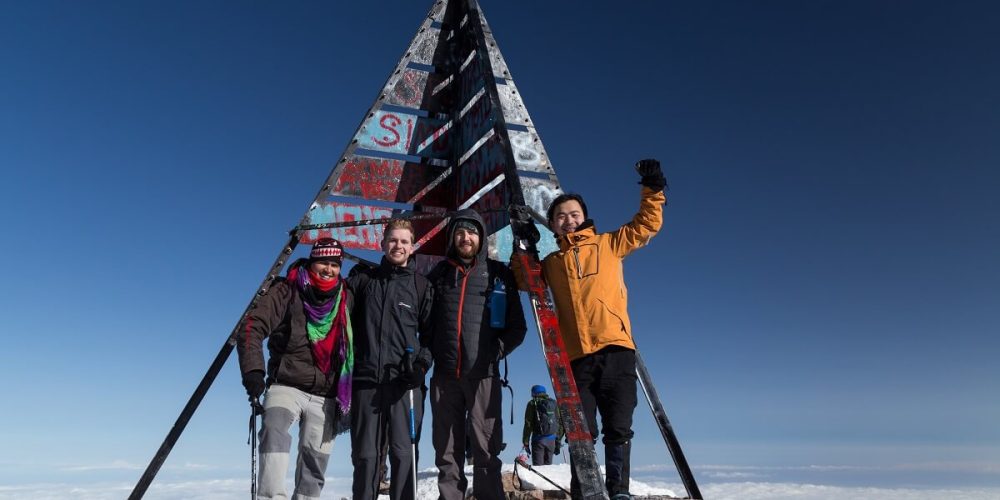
{"type": "Point", "coordinates": [588, 286]}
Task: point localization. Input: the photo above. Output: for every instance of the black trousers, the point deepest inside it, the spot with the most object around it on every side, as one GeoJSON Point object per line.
{"type": "Point", "coordinates": [607, 382]}
{"type": "Point", "coordinates": [380, 416]}
{"type": "Point", "coordinates": [542, 451]}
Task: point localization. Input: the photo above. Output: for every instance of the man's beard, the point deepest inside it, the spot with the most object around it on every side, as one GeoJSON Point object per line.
{"type": "Point", "coordinates": [467, 254]}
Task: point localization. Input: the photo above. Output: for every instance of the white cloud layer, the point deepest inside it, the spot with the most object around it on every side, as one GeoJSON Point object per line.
{"type": "Point", "coordinates": [339, 487]}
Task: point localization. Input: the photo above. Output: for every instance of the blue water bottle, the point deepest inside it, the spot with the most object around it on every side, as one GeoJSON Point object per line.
{"type": "Point", "coordinates": [498, 305]}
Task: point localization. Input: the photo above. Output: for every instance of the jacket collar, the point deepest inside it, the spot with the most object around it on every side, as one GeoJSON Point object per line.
{"type": "Point", "coordinates": [583, 233]}
{"type": "Point", "coordinates": [389, 269]}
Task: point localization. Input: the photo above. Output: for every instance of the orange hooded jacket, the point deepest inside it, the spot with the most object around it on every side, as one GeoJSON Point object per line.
{"type": "Point", "coordinates": [587, 280]}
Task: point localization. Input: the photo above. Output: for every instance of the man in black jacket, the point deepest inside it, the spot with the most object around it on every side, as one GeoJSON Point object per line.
{"type": "Point", "coordinates": [477, 320]}
{"type": "Point", "coordinates": [391, 321]}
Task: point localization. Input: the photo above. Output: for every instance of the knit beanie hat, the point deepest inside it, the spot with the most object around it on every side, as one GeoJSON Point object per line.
{"type": "Point", "coordinates": [537, 389]}
{"type": "Point", "coordinates": [468, 225]}
{"type": "Point", "coordinates": [327, 249]}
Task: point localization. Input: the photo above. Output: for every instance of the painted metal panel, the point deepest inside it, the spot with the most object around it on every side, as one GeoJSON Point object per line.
{"type": "Point", "coordinates": [529, 153]}
{"type": "Point", "coordinates": [410, 90]}
{"type": "Point", "coordinates": [387, 131]}
{"type": "Point", "coordinates": [398, 132]}
{"type": "Point", "coordinates": [479, 169]}
{"type": "Point", "coordinates": [513, 108]}
{"type": "Point", "coordinates": [384, 179]}
{"type": "Point", "coordinates": [362, 237]}
{"type": "Point", "coordinates": [424, 45]}
{"type": "Point", "coordinates": [539, 193]}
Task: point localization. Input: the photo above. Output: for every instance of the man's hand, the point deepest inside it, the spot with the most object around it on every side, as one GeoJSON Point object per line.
{"type": "Point", "coordinates": [558, 446]}
{"type": "Point", "coordinates": [412, 372]}
{"type": "Point", "coordinates": [524, 224]}
{"type": "Point", "coordinates": [253, 382]}
{"type": "Point", "coordinates": [652, 174]}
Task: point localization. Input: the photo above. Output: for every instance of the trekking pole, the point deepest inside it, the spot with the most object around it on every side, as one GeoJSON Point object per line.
{"type": "Point", "coordinates": [523, 462]}
{"type": "Point", "coordinates": [413, 429]}
{"type": "Point", "coordinates": [255, 409]}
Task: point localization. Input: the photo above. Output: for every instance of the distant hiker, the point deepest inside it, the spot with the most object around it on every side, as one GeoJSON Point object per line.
{"type": "Point", "coordinates": [587, 282]}
{"type": "Point", "coordinates": [392, 323]}
{"type": "Point", "coordinates": [306, 318]}
{"type": "Point", "coordinates": [543, 429]}
{"type": "Point", "coordinates": [477, 321]}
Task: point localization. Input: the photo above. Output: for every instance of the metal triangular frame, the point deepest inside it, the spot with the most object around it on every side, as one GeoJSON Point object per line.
{"type": "Point", "coordinates": [448, 131]}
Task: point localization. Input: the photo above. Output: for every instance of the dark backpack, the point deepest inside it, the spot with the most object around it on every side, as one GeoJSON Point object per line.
{"type": "Point", "coordinates": [545, 411]}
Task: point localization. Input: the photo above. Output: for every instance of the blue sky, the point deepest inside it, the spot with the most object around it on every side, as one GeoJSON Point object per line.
{"type": "Point", "coordinates": [824, 291]}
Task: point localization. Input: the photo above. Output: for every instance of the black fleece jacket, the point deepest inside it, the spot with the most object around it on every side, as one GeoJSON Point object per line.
{"type": "Point", "coordinates": [392, 311]}
{"type": "Point", "coordinates": [463, 343]}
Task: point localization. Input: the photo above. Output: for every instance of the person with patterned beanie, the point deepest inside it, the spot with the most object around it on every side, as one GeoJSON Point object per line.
{"type": "Point", "coordinates": [305, 318]}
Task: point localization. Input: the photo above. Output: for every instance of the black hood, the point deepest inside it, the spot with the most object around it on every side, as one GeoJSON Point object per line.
{"type": "Point", "coordinates": [472, 216]}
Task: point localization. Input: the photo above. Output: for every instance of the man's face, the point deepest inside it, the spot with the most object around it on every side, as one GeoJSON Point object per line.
{"type": "Point", "coordinates": [326, 269]}
{"type": "Point", "coordinates": [466, 243]}
{"type": "Point", "coordinates": [397, 245]}
{"type": "Point", "coordinates": [567, 216]}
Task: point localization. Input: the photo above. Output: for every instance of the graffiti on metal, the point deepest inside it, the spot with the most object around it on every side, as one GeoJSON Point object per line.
{"type": "Point", "coordinates": [387, 131]}
{"type": "Point", "coordinates": [397, 132]}
{"type": "Point", "coordinates": [364, 237]}
{"type": "Point", "coordinates": [410, 90]}
{"type": "Point", "coordinates": [383, 179]}
{"type": "Point", "coordinates": [529, 154]}
{"type": "Point", "coordinates": [539, 193]}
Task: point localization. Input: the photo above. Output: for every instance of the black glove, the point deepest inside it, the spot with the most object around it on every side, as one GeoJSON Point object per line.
{"type": "Point", "coordinates": [558, 446]}
{"type": "Point", "coordinates": [652, 174]}
{"type": "Point", "coordinates": [414, 377]}
{"type": "Point", "coordinates": [253, 381]}
{"type": "Point", "coordinates": [523, 224]}
{"type": "Point", "coordinates": [411, 372]}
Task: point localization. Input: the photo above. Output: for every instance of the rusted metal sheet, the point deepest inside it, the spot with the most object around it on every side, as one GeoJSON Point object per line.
{"type": "Point", "coordinates": [384, 179]}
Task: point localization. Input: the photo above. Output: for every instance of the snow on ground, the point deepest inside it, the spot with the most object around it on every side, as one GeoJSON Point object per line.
{"type": "Point", "coordinates": [427, 483]}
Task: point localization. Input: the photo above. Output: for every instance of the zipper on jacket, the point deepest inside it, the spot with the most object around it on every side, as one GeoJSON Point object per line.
{"type": "Point", "coordinates": [461, 304]}
{"type": "Point", "coordinates": [385, 307]}
{"type": "Point", "coordinates": [579, 269]}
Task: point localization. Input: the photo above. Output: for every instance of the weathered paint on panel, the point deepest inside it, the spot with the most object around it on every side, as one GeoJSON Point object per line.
{"type": "Point", "coordinates": [482, 167]}
{"type": "Point", "coordinates": [383, 179]}
{"type": "Point", "coordinates": [529, 154]}
{"type": "Point", "coordinates": [513, 108]}
{"type": "Point", "coordinates": [365, 237]}
{"type": "Point", "coordinates": [409, 90]}
{"type": "Point", "coordinates": [539, 193]}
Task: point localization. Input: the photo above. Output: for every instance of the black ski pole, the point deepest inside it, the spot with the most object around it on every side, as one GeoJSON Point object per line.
{"type": "Point", "coordinates": [667, 430]}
